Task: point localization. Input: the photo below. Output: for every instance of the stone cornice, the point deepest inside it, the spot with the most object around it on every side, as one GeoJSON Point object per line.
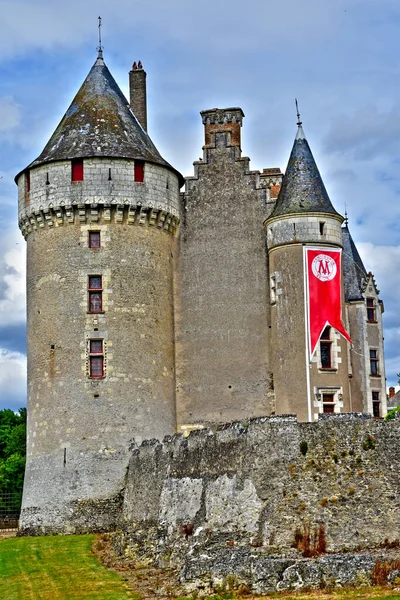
{"type": "Point", "coordinates": [55, 216]}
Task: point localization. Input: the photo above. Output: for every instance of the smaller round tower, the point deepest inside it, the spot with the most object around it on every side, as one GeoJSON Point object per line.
{"type": "Point", "coordinates": [99, 209]}
{"type": "Point", "coordinates": [303, 217]}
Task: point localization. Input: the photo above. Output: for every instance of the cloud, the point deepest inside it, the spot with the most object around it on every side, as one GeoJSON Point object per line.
{"type": "Point", "coordinates": [10, 115]}
{"type": "Point", "coordinates": [12, 286]}
{"type": "Point", "coordinates": [366, 134]}
{"type": "Point", "coordinates": [12, 379]}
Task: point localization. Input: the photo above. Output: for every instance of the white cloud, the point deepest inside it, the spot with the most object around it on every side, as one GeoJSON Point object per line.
{"type": "Point", "coordinates": [12, 286]}
{"type": "Point", "coordinates": [10, 115]}
{"type": "Point", "coordinates": [12, 379]}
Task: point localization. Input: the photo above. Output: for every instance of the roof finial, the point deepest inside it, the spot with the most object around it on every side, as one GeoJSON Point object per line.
{"type": "Point", "coordinates": [346, 220]}
{"type": "Point", "coordinates": [299, 123]}
{"type": "Point", "coordinates": [100, 47]}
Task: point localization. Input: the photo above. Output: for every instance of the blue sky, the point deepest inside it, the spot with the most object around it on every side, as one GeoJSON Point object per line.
{"type": "Point", "coordinates": [340, 58]}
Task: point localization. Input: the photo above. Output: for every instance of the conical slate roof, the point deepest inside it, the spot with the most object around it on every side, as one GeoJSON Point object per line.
{"type": "Point", "coordinates": [354, 273]}
{"type": "Point", "coordinates": [302, 189]}
{"type": "Point", "coordinates": [99, 122]}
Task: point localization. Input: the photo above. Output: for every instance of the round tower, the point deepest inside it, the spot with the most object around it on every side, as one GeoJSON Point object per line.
{"type": "Point", "coordinates": [302, 218]}
{"type": "Point", "coordinates": [99, 209]}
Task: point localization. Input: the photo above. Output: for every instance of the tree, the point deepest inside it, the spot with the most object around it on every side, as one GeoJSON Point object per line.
{"type": "Point", "coordinates": [12, 451]}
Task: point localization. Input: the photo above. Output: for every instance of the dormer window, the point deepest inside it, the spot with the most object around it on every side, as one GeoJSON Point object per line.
{"type": "Point", "coordinates": [139, 171]}
{"type": "Point", "coordinates": [77, 169]}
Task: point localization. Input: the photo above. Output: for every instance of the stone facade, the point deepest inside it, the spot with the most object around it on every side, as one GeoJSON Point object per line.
{"type": "Point", "coordinates": [200, 314]}
{"type": "Point", "coordinates": [253, 499]}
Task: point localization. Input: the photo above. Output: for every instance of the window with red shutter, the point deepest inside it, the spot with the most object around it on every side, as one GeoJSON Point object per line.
{"type": "Point", "coordinates": [139, 171]}
{"type": "Point", "coordinates": [77, 169]}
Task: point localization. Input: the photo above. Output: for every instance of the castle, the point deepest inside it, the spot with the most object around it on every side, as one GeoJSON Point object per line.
{"type": "Point", "coordinates": [152, 311]}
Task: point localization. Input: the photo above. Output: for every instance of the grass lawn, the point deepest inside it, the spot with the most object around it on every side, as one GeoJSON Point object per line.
{"type": "Point", "coordinates": [56, 568]}
{"type": "Point", "coordinates": [64, 568]}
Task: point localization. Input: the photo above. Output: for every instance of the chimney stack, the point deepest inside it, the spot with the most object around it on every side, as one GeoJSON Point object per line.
{"type": "Point", "coordinates": [222, 127]}
{"type": "Point", "coordinates": [391, 392]}
{"type": "Point", "coordinates": [138, 94]}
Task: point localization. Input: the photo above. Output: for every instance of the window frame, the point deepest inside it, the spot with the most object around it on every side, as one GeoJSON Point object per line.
{"type": "Point", "coordinates": [326, 343]}
{"type": "Point", "coordinates": [374, 362]}
{"type": "Point", "coordinates": [371, 310]}
{"type": "Point", "coordinates": [94, 357]}
{"type": "Point", "coordinates": [328, 402]}
{"type": "Point", "coordinates": [91, 234]}
{"type": "Point", "coordinates": [98, 290]}
{"type": "Point", "coordinates": [376, 404]}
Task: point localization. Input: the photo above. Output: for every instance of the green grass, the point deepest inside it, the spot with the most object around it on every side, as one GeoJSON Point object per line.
{"type": "Point", "coordinates": [56, 568]}
{"type": "Point", "coordinates": [63, 568]}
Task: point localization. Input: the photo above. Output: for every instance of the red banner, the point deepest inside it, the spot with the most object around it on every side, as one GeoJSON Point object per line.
{"type": "Point", "coordinates": [324, 293]}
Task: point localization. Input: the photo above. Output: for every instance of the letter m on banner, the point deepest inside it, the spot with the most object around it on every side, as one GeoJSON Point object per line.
{"type": "Point", "coordinates": [323, 292]}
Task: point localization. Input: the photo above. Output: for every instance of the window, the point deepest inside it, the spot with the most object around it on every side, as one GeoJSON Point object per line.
{"type": "Point", "coordinates": [96, 358]}
{"type": "Point", "coordinates": [325, 347]}
{"type": "Point", "coordinates": [94, 239]}
{"type": "Point", "coordinates": [95, 289]}
{"type": "Point", "coordinates": [321, 227]}
{"type": "Point", "coordinates": [376, 405]}
{"type": "Point", "coordinates": [139, 171]}
{"type": "Point", "coordinates": [328, 403]}
{"type": "Point", "coordinates": [27, 181]}
{"type": "Point", "coordinates": [374, 362]}
{"type": "Point", "coordinates": [371, 316]}
{"type": "Point", "coordinates": [77, 169]}
{"type": "Point", "coordinates": [273, 289]}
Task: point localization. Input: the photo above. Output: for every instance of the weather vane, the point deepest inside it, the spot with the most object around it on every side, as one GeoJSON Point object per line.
{"type": "Point", "coordinates": [100, 47]}
{"type": "Point", "coordinates": [298, 114]}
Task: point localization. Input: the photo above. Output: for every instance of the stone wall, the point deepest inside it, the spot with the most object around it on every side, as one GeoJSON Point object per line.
{"type": "Point", "coordinates": [264, 497]}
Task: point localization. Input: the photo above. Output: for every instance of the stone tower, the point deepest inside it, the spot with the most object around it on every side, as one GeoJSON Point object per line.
{"type": "Point", "coordinates": [99, 210]}
{"type": "Point", "coordinates": [303, 217]}
{"type": "Point", "coordinates": [222, 317]}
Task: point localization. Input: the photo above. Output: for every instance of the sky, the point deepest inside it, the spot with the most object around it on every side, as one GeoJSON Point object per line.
{"type": "Point", "coordinates": [339, 58]}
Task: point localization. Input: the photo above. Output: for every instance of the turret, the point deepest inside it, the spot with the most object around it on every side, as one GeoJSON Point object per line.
{"type": "Point", "coordinates": [364, 312]}
{"type": "Point", "coordinates": [99, 209]}
{"type": "Point", "coordinates": [303, 217]}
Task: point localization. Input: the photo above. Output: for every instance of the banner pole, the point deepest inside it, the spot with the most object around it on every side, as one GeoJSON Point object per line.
{"type": "Point", "coordinates": [306, 326]}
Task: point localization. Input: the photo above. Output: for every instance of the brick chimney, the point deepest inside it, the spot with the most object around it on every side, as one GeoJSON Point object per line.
{"type": "Point", "coordinates": [391, 392]}
{"type": "Point", "coordinates": [272, 179]}
{"type": "Point", "coordinates": [138, 94]}
{"type": "Point", "coordinates": [222, 127]}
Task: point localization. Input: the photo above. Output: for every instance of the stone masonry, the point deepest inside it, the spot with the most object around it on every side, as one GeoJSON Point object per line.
{"type": "Point", "coordinates": [251, 500]}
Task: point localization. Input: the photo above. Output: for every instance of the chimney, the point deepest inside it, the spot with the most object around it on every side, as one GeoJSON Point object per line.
{"type": "Point", "coordinates": [272, 179]}
{"type": "Point", "coordinates": [391, 392]}
{"type": "Point", "coordinates": [222, 127]}
{"type": "Point", "coordinates": [137, 93]}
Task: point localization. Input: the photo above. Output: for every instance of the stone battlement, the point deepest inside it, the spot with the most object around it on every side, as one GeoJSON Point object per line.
{"type": "Point", "coordinates": [96, 214]}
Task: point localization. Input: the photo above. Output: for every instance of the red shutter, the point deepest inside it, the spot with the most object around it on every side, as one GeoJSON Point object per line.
{"type": "Point", "coordinates": [139, 171]}
{"type": "Point", "coordinates": [77, 169]}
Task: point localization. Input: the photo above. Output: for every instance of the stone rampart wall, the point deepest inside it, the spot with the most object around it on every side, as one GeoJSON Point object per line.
{"type": "Point", "coordinates": [269, 490]}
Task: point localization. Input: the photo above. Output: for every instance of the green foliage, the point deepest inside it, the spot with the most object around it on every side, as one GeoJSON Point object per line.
{"type": "Point", "coordinates": [369, 443]}
{"type": "Point", "coordinates": [12, 450]}
{"type": "Point", "coordinates": [392, 413]}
